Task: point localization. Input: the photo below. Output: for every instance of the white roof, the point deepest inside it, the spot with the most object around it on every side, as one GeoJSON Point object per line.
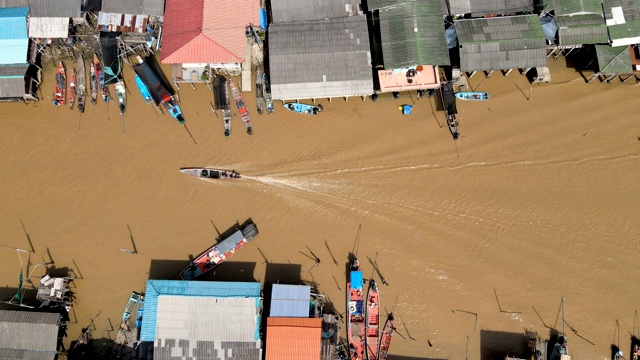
{"type": "Point", "coordinates": [48, 27]}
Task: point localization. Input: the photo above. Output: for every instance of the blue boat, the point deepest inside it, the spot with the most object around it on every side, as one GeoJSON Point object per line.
{"type": "Point", "coordinates": [159, 91]}
{"type": "Point", "coordinates": [140, 312]}
{"type": "Point", "coordinates": [472, 95]}
{"type": "Point", "coordinates": [303, 108]}
{"type": "Point", "coordinates": [143, 90]}
{"type": "Point", "coordinates": [131, 305]}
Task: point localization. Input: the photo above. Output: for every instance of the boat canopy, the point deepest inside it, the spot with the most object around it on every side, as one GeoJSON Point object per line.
{"type": "Point", "coordinates": [356, 280]}
{"type": "Point", "coordinates": [157, 91]}
{"type": "Point", "coordinates": [230, 243]}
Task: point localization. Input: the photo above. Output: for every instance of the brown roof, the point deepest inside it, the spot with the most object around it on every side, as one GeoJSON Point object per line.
{"type": "Point", "coordinates": [293, 338]}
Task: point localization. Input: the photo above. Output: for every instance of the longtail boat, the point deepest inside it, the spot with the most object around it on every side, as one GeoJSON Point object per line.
{"type": "Point", "coordinates": [303, 108]}
{"type": "Point", "coordinates": [385, 338]}
{"type": "Point", "coordinates": [71, 91]}
{"type": "Point", "coordinates": [131, 305]}
{"type": "Point", "coordinates": [242, 108]}
{"type": "Point", "coordinates": [143, 90]}
{"type": "Point", "coordinates": [472, 95]}
{"type": "Point", "coordinates": [121, 95]}
{"type": "Point", "coordinates": [140, 312]}
{"type": "Point", "coordinates": [127, 334]}
{"type": "Point", "coordinates": [373, 321]}
{"type": "Point", "coordinates": [267, 94]}
{"type": "Point", "coordinates": [221, 99]}
{"type": "Point", "coordinates": [81, 84]}
{"type": "Point", "coordinates": [259, 90]}
{"type": "Point", "coordinates": [453, 126]}
{"type": "Point", "coordinates": [211, 173]}
{"type": "Point", "coordinates": [60, 96]}
{"type": "Point", "coordinates": [219, 252]}
{"type": "Point", "coordinates": [355, 313]}
{"type": "Point", "coordinates": [93, 83]}
{"type": "Point", "coordinates": [104, 90]}
{"type": "Point", "coordinates": [159, 92]}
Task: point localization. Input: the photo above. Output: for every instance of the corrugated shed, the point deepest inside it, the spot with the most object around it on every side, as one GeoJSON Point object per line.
{"type": "Point", "coordinates": [28, 335]}
{"type": "Point", "coordinates": [413, 34]}
{"type": "Point", "coordinates": [135, 7]}
{"type": "Point", "coordinates": [48, 27]}
{"type": "Point", "coordinates": [12, 83]}
{"type": "Point", "coordinates": [501, 43]}
{"type": "Point", "coordinates": [581, 29]}
{"type": "Point", "coordinates": [324, 58]}
{"type": "Point", "coordinates": [156, 288]}
{"type": "Point", "coordinates": [207, 31]}
{"type": "Point", "coordinates": [489, 7]}
{"type": "Point", "coordinates": [57, 8]}
{"type": "Point", "coordinates": [623, 21]}
{"type": "Point", "coordinates": [293, 338]}
{"type": "Point", "coordinates": [290, 300]}
{"type": "Point", "coordinates": [572, 7]}
{"type": "Point", "coordinates": [284, 11]}
{"type": "Point", "coordinates": [109, 22]}
{"type": "Point", "coordinates": [613, 60]}
{"type": "Point", "coordinates": [14, 40]}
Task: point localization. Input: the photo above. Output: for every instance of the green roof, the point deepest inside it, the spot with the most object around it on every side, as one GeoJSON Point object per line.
{"type": "Point", "coordinates": [413, 34]}
{"type": "Point", "coordinates": [582, 29]}
{"type": "Point", "coordinates": [623, 21]}
{"type": "Point", "coordinates": [569, 7]}
{"type": "Point", "coordinates": [613, 60]}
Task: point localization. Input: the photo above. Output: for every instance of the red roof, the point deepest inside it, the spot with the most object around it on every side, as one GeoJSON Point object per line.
{"type": "Point", "coordinates": [207, 31]}
{"type": "Point", "coordinates": [293, 338]}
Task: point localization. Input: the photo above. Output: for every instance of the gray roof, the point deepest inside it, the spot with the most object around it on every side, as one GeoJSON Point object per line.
{"type": "Point", "coordinates": [324, 58]}
{"type": "Point", "coordinates": [13, 3]}
{"type": "Point", "coordinates": [295, 10]}
{"type": "Point", "coordinates": [570, 7]}
{"type": "Point", "coordinates": [489, 7]}
{"type": "Point", "coordinates": [582, 29]}
{"type": "Point", "coordinates": [57, 8]}
{"type": "Point", "coordinates": [413, 35]}
{"type": "Point", "coordinates": [134, 7]}
{"type": "Point", "coordinates": [12, 84]}
{"type": "Point", "coordinates": [501, 43]}
{"type": "Point", "coordinates": [623, 30]}
{"type": "Point", "coordinates": [613, 60]}
{"type": "Point", "coordinates": [290, 301]}
{"type": "Point", "coordinates": [28, 335]}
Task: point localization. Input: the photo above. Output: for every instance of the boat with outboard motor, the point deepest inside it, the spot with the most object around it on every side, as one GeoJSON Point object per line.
{"type": "Point", "coordinates": [372, 339]}
{"type": "Point", "coordinates": [303, 108]}
{"type": "Point", "coordinates": [81, 84]}
{"type": "Point", "coordinates": [60, 96]}
{"type": "Point", "coordinates": [472, 95]}
{"type": "Point", "coordinates": [355, 312]}
{"type": "Point", "coordinates": [242, 108]}
{"type": "Point", "coordinates": [211, 173]}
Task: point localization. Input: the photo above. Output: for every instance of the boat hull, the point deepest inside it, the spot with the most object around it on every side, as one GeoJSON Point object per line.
{"type": "Point", "coordinates": [242, 108]}
{"type": "Point", "coordinates": [355, 313]}
{"type": "Point", "coordinates": [373, 321]}
{"type": "Point", "coordinates": [60, 95]}
{"type": "Point", "coordinates": [303, 108]}
{"type": "Point", "coordinates": [385, 339]}
{"type": "Point", "coordinates": [121, 95]}
{"type": "Point", "coordinates": [210, 173]}
{"type": "Point", "coordinates": [472, 95]}
{"type": "Point", "coordinates": [71, 91]}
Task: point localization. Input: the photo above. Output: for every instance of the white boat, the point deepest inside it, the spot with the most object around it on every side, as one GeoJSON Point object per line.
{"type": "Point", "coordinates": [211, 173]}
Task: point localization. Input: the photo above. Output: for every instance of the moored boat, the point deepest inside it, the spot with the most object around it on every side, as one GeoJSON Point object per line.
{"type": "Point", "coordinates": [59, 97]}
{"type": "Point", "coordinates": [121, 95]}
{"type": "Point", "coordinates": [71, 91]}
{"type": "Point", "coordinates": [219, 252]}
{"type": "Point", "coordinates": [144, 91]}
{"type": "Point", "coordinates": [129, 307]}
{"type": "Point", "coordinates": [210, 173]}
{"type": "Point", "coordinates": [303, 108]}
{"type": "Point", "coordinates": [453, 126]}
{"type": "Point", "coordinates": [221, 100]}
{"type": "Point", "coordinates": [140, 312]}
{"type": "Point", "coordinates": [93, 83]}
{"type": "Point", "coordinates": [385, 338]}
{"type": "Point", "coordinates": [373, 321]}
{"type": "Point", "coordinates": [100, 78]}
{"type": "Point", "coordinates": [259, 90]}
{"type": "Point", "coordinates": [267, 94]}
{"type": "Point", "coordinates": [158, 91]}
{"type": "Point", "coordinates": [242, 108]}
{"type": "Point", "coordinates": [81, 84]}
{"type": "Point", "coordinates": [127, 334]}
{"type": "Point", "coordinates": [472, 95]}
{"type": "Point", "coordinates": [355, 313]}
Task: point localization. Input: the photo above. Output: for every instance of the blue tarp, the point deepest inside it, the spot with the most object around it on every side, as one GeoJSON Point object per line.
{"type": "Point", "coordinates": [263, 18]}
{"type": "Point", "coordinates": [451, 37]}
{"type": "Point", "coordinates": [356, 279]}
{"type": "Point", "coordinates": [549, 27]}
{"type": "Point", "coordinates": [14, 40]}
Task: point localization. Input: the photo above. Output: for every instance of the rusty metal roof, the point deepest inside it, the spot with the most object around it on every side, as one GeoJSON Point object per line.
{"type": "Point", "coordinates": [293, 338]}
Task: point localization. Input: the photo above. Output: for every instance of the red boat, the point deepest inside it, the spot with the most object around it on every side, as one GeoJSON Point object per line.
{"type": "Point", "coordinates": [356, 312]}
{"type": "Point", "coordinates": [242, 108]}
{"type": "Point", "coordinates": [373, 321]}
{"type": "Point", "coordinates": [385, 339]}
{"type": "Point", "coordinates": [219, 252]}
{"type": "Point", "coordinates": [60, 98]}
{"type": "Point", "coordinates": [72, 88]}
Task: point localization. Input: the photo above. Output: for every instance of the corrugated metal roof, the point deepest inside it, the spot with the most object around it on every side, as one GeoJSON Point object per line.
{"type": "Point", "coordinates": [136, 7]}
{"type": "Point", "coordinates": [324, 58]}
{"type": "Point", "coordinates": [30, 335]}
{"type": "Point", "coordinates": [48, 27]}
{"type": "Point", "coordinates": [293, 338]}
{"type": "Point", "coordinates": [623, 21]}
{"type": "Point", "coordinates": [489, 7]}
{"type": "Point", "coordinates": [156, 288]}
{"type": "Point", "coordinates": [13, 3]}
{"type": "Point", "coordinates": [14, 40]}
{"type": "Point", "coordinates": [284, 11]}
{"type": "Point", "coordinates": [501, 43]}
{"type": "Point", "coordinates": [109, 22]}
{"type": "Point", "coordinates": [571, 7]}
{"type": "Point", "coordinates": [290, 300]}
{"type": "Point", "coordinates": [613, 60]}
{"type": "Point", "coordinates": [582, 29]}
{"type": "Point", "coordinates": [207, 31]}
{"type": "Point", "coordinates": [413, 34]}
{"type": "Point", "coordinates": [12, 84]}
{"type": "Point", "coordinates": [58, 8]}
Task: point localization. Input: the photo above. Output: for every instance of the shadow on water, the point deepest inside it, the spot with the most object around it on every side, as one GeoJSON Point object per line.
{"type": "Point", "coordinates": [228, 271]}
{"type": "Point", "coordinates": [400, 357]}
{"type": "Point", "coordinates": [499, 344]}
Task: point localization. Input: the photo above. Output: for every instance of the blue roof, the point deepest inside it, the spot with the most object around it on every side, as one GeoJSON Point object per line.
{"type": "Point", "coordinates": [356, 279]}
{"type": "Point", "coordinates": [290, 301]}
{"type": "Point", "coordinates": [14, 40]}
{"type": "Point", "coordinates": [156, 288]}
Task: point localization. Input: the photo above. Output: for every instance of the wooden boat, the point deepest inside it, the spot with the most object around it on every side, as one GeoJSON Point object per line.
{"type": "Point", "coordinates": [121, 95]}
{"type": "Point", "coordinates": [158, 91]}
{"type": "Point", "coordinates": [221, 100]}
{"type": "Point", "coordinates": [303, 108]}
{"type": "Point", "coordinates": [385, 338]}
{"type": "Point", "coordinates": [267, 94]}
{"type": "Point", "coordinates": [104, 90]}
{"type": "Point", "coordinates": [242, 108]}
{"type": "Point", "coordinates": [219, 252]}
{"type": "Point", "coordinates": [131, 305]}
{"type": "Point", "coordinates": [81, 84]}
{"type": "Point", "coordinates": [93, 83]}
{"type": "Point", "coordinates": [453, 126]}
{"type": "Point", "coordinates": [144, 91]}
{"type": "Point", "coordinates": [127, 334]}
{"type": "Point", "coordinates": [71, 91]}
{"type": "Point", "coordinates": [355, 313]}
{"type": "Point", "coordinates": [259, 90]}
{"type": "Point", "coordinates": [210, 173]}
{"type": "Point", "coordinates": [60, 96]}
{"type": "Point", "coordinates": [373, 321]}
{"type": "Point", "coordinates": [140, 312]}
{"type": "Point", "coordinates": [472, 95]}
